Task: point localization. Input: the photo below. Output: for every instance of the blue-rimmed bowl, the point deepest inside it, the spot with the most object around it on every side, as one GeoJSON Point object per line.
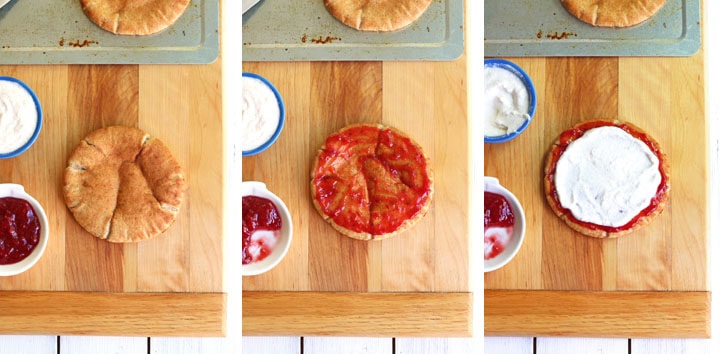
{"type": "Point", "coordinates": [281, 122]}
{"type": "Point", "coordinates": [525, 78]}
{"type": "Point", "coordinates": [38, 126]}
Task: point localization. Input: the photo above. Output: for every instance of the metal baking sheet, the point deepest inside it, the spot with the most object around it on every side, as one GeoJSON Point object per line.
{"type": "Point", "coordinates": [59, 32]}
{"type": "Point", "coordinates": [545, 28]}
{"type": "Point", "coordinates": [302, 30]}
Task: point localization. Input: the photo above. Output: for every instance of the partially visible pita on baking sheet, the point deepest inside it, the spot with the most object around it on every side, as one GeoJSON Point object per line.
{"type": "Point", "coordinates": [613, 13]}
{"type": "Point", "coordinates": [377, 15]}
{"type": "Point", "coordinates": [134, 17]}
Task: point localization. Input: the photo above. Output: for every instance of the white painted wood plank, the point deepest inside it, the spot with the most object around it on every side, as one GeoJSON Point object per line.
{"type": "Point", "coordinates": [439, 346]}
{"type": "Point", "coordinates": [270, 345]}
{"type": "Point", "coordinates": [673, 346]}
{"type": "Point", "coordinates": [475, 89]}
{"type": "Point", "coordinates": [555, 345]}
{"type": "Point", "coordinates": [174, 345]}
{"type": "Point", "coordinates": [28, 344]}
{"type": "Point", "coordinates": [509, 345]}
{"type": "Point", "coordinates": [346, 345]}
{"type": "Point", "coordinates": [231, 54]}
{"type": "Point", "coordinates": [103, 345]}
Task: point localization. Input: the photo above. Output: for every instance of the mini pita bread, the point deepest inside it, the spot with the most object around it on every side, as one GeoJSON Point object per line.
{"type": "Point", "coordinates": [134, 17]}
{"type": "Point", "coordinates": [549, 182]}
{"type": "Point", "coordinates": [121, 185]}
{"type": "Point", "coordinates": [354, 166]}
{"type": "Point", "coordinates": [613, 13]}
{"type": "Point", "coordinates": [377, 15]}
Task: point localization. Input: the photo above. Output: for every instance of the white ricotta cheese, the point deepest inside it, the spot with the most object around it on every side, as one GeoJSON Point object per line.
{"type": "Point", "coordinates": [506, 102]}
{"type": "Point", "coordinates": [18, 116]}
{"type": "Point", "coordinates": [260, 113]}
{"type": "Point", "coordinates": [607, 176]}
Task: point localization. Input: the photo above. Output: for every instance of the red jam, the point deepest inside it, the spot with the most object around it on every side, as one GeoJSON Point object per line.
{"type": "Point", "coordinates": [499, 224]}
{"type": "Point", "coordinates": [19, 230]}
{"type": "Point", "coordinates": [571, 135]}
{"type": "Point", "coordinates": [261, 225]}
{"type": "Point", "coordinates": [359, 173]}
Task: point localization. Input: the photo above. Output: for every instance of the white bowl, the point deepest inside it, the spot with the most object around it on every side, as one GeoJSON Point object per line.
{"type": "Point", "coordinates": [260, 190]}
{"type": "Point", "coordinates": [17, 191]}
{"type": "Point", "coordinates": [281, 120]}
{"type": "Point", "coordinates": [38, 126]}
{"type": "Point", "coordinates": [493, 185]}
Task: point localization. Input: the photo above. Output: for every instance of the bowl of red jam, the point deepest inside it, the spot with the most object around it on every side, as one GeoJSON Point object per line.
{"type": "Point", "coordinates": [23, 230]}
{"type": "Point", "coordinates": [504, 225]}
{"type": "Point", "coordinates": [266, 229]}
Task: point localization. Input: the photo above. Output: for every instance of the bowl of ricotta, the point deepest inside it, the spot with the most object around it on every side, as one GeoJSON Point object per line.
{"type": "Point", "coordinates": [23, 230]}
{"type": "Point", "coordinates": [263, 114]}
{"type": "Point", "coordinates": [510, 100]}
{"type": "Point", "coordinates": [267, 228]}
{"type": "Point", "coordinates": [504, 225]}
{"type": "Point", "coordinates": [20, 117]}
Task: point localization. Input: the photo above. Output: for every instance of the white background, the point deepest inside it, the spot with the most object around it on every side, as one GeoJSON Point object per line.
{"type": "Point", "coordinates": [231, 52]}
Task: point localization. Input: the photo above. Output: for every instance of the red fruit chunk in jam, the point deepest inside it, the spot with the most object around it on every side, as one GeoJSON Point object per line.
{"type": "Point", "coordinates": [261, 224]}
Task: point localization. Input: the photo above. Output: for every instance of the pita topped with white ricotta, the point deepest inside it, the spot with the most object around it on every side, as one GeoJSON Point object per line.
{"type": "Point", "coordinates": [606, 178]}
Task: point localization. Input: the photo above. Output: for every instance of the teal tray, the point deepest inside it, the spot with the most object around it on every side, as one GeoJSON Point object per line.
{"type": "Point", "coordinates": [303, 30]}
{"type": "Point", "coordinates": [58, 32]}
{"type": "Point", "coordinates": [520, 28]}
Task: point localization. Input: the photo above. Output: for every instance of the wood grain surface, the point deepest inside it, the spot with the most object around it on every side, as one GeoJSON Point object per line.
{"type": "Point", "coordinates": [377, 314]}
{"type": "Point", "coordinates": [598, 314]}
{"type": "Point", "coordinates": [427, 101]}
{"type": "Point", "coordinates": [664, 97]}
{"type": "Point", "coordinates": [117, 314]}
{"type": "Point", "coordinates": [179, 104]}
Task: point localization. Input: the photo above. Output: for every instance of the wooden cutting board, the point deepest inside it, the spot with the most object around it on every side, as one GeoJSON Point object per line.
{"type": "Point", "coordinates": [171, 285]}
{"type": "Point", "coordinates": [416, 283]}
{"type": "Point", "coordinates": [651, 283]}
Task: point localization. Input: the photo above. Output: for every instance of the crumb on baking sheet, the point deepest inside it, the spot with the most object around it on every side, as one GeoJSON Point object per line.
{"type": "Point", "coordinates": [84, 43]}
{"type": "Point", "coordinates": [563, 35]}
{"type": "Point", "coordinates": [327, 39]}
{"type": "Point", "coordinates": [77, 43]}
{"type": "Point", "coordinates": [319, 39]}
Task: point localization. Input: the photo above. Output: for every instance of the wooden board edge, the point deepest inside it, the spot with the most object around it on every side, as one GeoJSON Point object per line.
{"type": "Point", "coordinates": [378, 314]}
{"type": "Point", "coordinates": [620, 314]}
{"type": "Point", "coordinates": [113, 314]}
